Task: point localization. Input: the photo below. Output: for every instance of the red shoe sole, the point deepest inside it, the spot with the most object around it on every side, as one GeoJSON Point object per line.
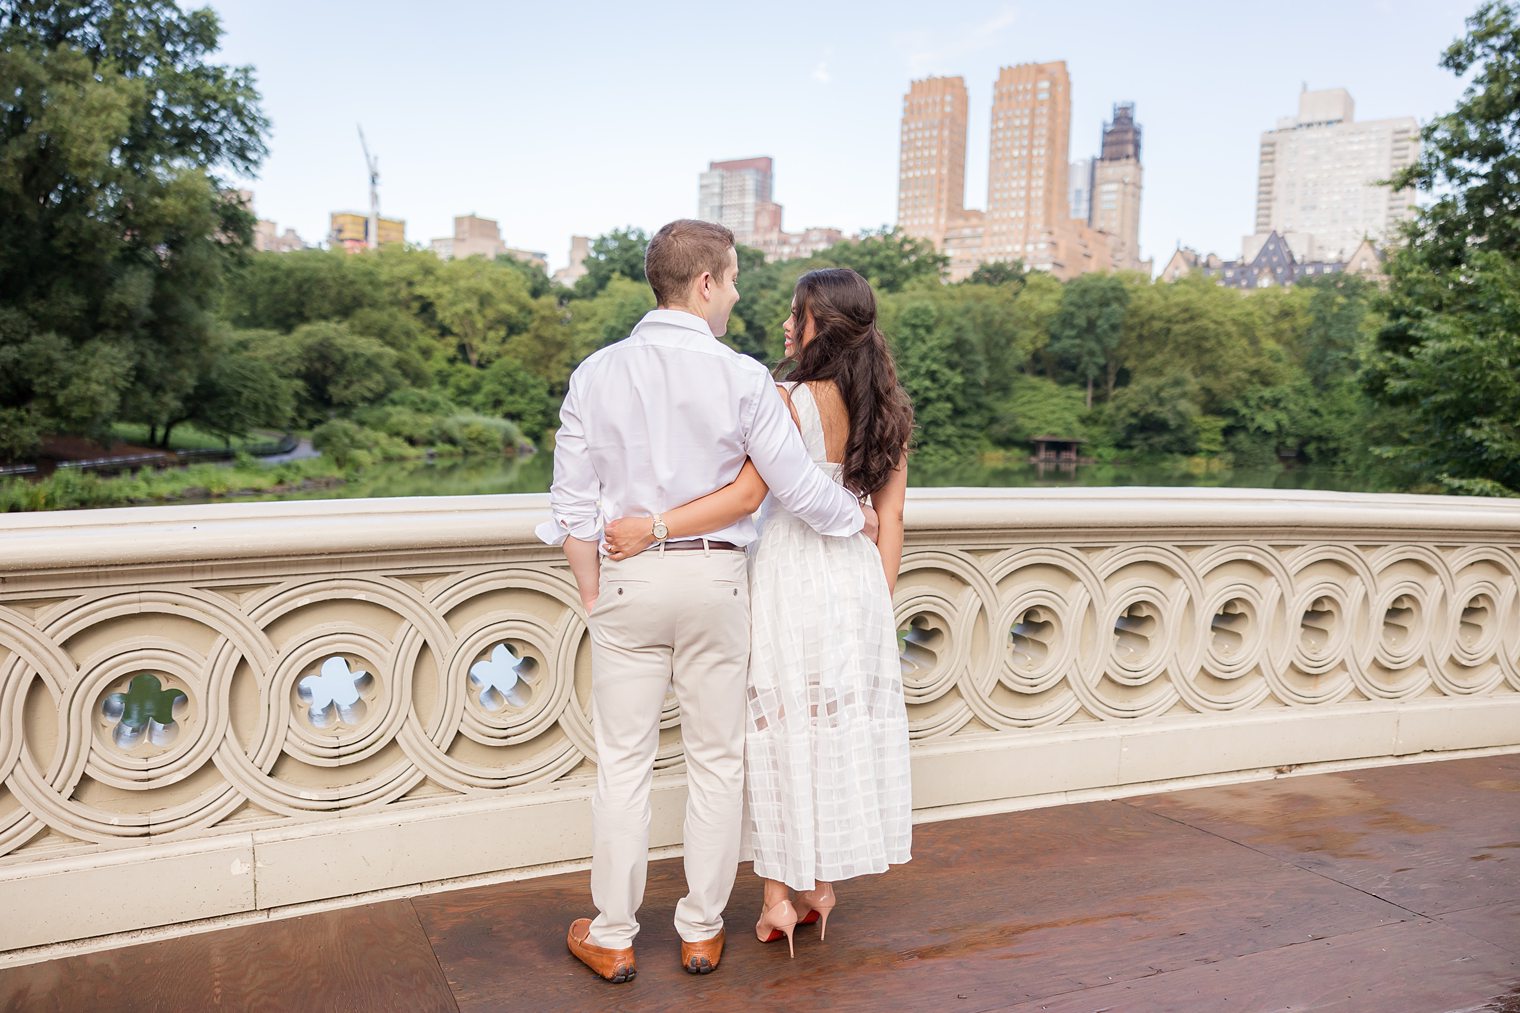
{"type": "Point", "coordinates": [775, 935]}
{"type": "Point", "coordinates": [811, 918]}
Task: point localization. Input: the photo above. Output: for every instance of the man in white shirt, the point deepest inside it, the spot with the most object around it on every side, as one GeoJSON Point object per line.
{"type": "Point", "coordinates": [660, 418]}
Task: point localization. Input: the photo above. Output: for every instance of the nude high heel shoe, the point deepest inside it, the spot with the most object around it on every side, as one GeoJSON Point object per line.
{"type": "Point", "coordinates": [814, 906]}
{"type": "Point", "coordinates": [775, 922]}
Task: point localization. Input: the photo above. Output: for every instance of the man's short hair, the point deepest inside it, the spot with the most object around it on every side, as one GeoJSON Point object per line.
{"type": "Point", "coordinates": [680, 252]}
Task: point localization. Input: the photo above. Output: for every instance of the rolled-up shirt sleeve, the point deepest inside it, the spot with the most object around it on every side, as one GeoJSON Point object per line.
{"type": "Point", "coordinates": [799, 485]}
{"type": "Point", "coordinates": [575, 496]}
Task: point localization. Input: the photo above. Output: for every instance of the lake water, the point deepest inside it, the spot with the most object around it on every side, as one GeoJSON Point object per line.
{"type": "Point", "coordinates": [533, 474]}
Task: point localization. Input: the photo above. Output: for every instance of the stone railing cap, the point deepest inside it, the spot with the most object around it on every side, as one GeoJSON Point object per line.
{"type": "Point", "coordinates": [226, 531]}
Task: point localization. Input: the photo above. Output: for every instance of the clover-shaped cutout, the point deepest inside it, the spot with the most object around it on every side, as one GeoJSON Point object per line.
{"type": "Point", "coordinates": [145, 712]}
{"type": "Point", "coordinates": [1030, 637]}
{"type": "Point", "coordinates": [499, 680]}
{"type": "Point", "coordinates": [334, 695]}
{"type": "Point", "coordinates": [917, 645]}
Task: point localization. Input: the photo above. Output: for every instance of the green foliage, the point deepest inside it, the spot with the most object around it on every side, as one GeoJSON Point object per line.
{"type": "Point", "coordinates": [479, 305]}
{"type": "Point", "coordinates": [1446, 367]}
{"type": "Point", "coordinates": [607, 317]}
{"type": "Point", "coordinates": [888, 258]}
{"type": "Point", "coordinates": [1458, 383]}
{"type": "Point", "coordinates": [537, 279]}
{"type": "Point", "coordinates": [350, 445]}
{"type": "Point", "coordinates": [618, 254]}
{"type": "Point", "coordinates": [940, 367]}
{"type": "Point", "coordinates": [69, 490]}
{"type": "Point", "coordinates": [20, 433]}
{"type": "Point", "coordinates": [998, 274]}
{"type": "Point", "coordinates": [238, 392]}
{"type": "Point", "coordinates": [113, 121]}
{"type": "Point", "coordinates": [1341, 319]}
{"type": "Point", "coordinates": [509, 390]}
{"type": "Point", "coordinates": [1085, 335]}
{"type": "Point", "coordinates": [283, 291]}
{"type": "Point", "coordinates": [1037, 406]}
{"type": "Point", "coordinates": [1469, 159]}
{"type": "Point", "coordinates": [764, 302]}
{"type": "Point", "coordinates": [1157, 415]}
{"type": "Point", "coordinates": [335, 369]}
{"type": "Point", "coordinates": [479, 434]}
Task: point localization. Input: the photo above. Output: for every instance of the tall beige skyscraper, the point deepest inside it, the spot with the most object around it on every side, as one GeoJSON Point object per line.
{"type": "Point", "coordinates": [1027, 195]}
{"type": "Point", "coordinates": [1116, 188]}
{"type": "Point", "coordinates": [931, 175]}
{"type": "Point", "coordinates": [1028, 216]}
{"type": "Point", "coordinates": [737, 194]}
{"type": "Point", "coordinates": [1317, 180]}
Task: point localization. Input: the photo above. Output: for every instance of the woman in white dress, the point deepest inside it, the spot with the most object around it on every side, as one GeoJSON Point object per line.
{"type": "Point", "coordinates": [826, 746]}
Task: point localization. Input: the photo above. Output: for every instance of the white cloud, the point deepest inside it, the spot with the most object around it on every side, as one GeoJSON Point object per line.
{"type": "Point", "coordinates": [938, 52]}
{"type": "Point", "coordinates": [821, 72]}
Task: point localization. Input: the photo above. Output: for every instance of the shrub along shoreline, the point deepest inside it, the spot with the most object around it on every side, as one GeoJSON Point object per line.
{"type": "Point", "coordinates": [347, 448]}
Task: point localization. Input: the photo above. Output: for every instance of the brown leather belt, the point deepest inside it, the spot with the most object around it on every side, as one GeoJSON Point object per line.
{"type": "Point", "coordinates": [684, 546]}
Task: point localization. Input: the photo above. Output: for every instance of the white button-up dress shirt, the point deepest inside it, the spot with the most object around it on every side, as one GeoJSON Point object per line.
{"type": "Point", "coordinates": [668, 415]}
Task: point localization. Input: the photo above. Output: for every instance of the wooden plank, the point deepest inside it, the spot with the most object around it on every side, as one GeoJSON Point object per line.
{"type": "Point", "coordinates": [996, 909]}
{"type": "Point", "coordinates": [1493, 923]}
{"type": "Point", "coordinates": [361, 959]}
{"type": "Point", "coordinates": [1431, 837]}
{"type": "Point", "coordinates": [1412, 966]}
{"type": "Point", "coordinates": [1246, 897]}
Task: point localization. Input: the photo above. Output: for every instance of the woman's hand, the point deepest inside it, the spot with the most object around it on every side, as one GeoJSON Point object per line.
{"type": "Point", "coordinates": [626, 537]}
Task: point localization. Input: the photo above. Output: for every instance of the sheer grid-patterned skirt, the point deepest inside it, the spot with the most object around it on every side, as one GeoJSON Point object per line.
{"type": "Point", "coordinates": [826, 747]}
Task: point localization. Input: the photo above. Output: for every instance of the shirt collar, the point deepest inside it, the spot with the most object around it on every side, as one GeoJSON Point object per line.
{"type": "Point", "coordinates": [689, 322]}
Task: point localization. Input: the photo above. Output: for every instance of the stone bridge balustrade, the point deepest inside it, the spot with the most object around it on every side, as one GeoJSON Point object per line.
{"type": "Point", "coordinates": [214, 712]}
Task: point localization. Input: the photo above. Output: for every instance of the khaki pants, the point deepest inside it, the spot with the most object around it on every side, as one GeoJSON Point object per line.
{"type": "Point", "coordinates": [664, 618]}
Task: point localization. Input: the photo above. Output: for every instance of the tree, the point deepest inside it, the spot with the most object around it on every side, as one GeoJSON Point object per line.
{"type": "Point", "coordinates": [940, 367]}
{"type": "Point", "coordinates": [1031, 315]}
{"type": "Point", "coordinates": [888, 258]}
{"type": "Point", "coordinates": [1036, 406]}
{"type": "Point", "coordinates": [510, 390]}
{"type": "Point", "coordinates": [1212, 334]}
{"type": "Point", "coordinates": [282, 291]}
{"type": "Point", "coordinates": [1340, 312]}
{"type": "Point", "coordinates": [999, 273]}
{"type": "Point", "coordinates": [113, 123]}
{"type": "Point", "coordinates": [479, 305]}
{"type": "Point", "coordinates": [538, 280]}
{"type": "Point", "coordinates": [335, 369]}
{"type": "Point", "coordinates": [1157, 415]}
{"type": "Point", "coordinates": [1086, 333]}
{"type": "Point", "coordinates": [618, 253]}
{"type": "Point", "coordinates": [609, 316]}
{"type": "Point", "coordinates": [765, 300]}
{"type": "Point", "coordinates": [239, 392]}
{"type": "Point", "coordinates": [1446, 363]}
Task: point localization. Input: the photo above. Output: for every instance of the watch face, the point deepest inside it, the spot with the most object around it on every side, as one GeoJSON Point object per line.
{"type": "Point", "coordinates": [660, 531]}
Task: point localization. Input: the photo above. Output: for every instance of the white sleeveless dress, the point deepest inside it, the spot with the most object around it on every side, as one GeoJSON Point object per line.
{"type": "Point", "coordinates": [826, 747]}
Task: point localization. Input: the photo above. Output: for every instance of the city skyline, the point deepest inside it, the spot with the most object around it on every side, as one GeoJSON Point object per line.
{"type": "Point", "coordinates": [488, 121]}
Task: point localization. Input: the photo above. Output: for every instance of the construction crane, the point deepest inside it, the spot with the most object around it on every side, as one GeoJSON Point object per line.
{"type": "Point", "coordinates": [372, 163]}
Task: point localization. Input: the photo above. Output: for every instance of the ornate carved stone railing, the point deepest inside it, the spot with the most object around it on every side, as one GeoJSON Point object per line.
{"type": "Point", "coordinates": [217, 712]}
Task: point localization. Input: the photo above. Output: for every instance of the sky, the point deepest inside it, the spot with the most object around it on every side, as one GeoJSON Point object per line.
{"type": "Point", "coordinates": [579, 118]}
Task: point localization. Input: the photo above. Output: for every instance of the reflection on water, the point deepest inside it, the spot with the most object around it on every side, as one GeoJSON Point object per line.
{"type": "Point", "coordinates": [476, 476]}
{"type": "Point", "coordinates": [533, 474]}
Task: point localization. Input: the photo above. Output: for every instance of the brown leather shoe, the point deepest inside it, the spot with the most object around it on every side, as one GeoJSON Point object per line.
{"type": "Point", "coordinates": [614, 965]}
{"type": "Point", "coordinates": [702, 957]}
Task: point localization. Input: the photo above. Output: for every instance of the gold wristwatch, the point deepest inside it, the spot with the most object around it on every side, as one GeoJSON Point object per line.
{"type": "Point", "coordinates": [659, 530]}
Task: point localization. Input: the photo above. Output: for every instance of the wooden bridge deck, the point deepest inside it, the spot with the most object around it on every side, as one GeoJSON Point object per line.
{"type": "Point", "coordinates": [1388, 890]}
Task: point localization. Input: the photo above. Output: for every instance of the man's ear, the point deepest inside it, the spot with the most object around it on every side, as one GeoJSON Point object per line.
{"type": "Point", "coordinates": [704, 284]}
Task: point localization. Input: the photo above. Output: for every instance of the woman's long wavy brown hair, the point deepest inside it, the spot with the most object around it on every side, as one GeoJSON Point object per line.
{"type": "Point", "coordinates": [848, 349]}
